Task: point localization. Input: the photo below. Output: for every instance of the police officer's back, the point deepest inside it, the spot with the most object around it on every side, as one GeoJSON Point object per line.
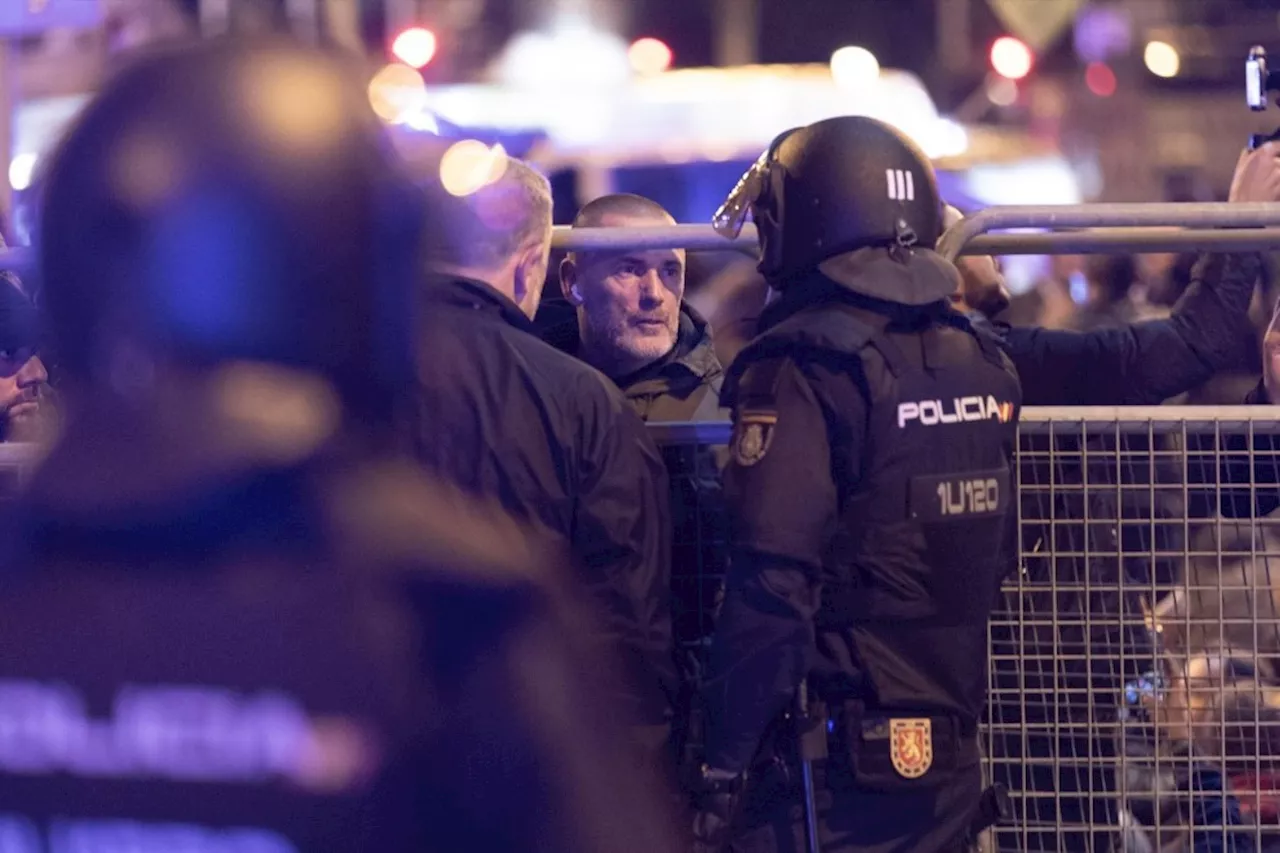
{"type": "Point", "coordinates": [870, 495]}
{"type": "Point", "coordinates": [228, 627]}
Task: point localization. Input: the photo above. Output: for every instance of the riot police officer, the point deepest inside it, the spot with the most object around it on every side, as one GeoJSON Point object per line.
{"type": "Point", "coordinates": [228, 625]}
{"type": "Point", "coordinates": [871, 501]}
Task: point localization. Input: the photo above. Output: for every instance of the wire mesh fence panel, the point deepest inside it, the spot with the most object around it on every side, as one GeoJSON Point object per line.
{"type": "Point", "coordinates": [1135, 653]}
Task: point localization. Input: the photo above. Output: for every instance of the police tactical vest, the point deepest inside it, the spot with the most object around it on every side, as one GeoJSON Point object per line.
{"type": "Point", "coordinates": [927, 532]}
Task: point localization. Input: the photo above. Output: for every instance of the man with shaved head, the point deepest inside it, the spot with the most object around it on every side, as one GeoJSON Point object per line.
{"type": "Point", "coordinates": [632, 323]}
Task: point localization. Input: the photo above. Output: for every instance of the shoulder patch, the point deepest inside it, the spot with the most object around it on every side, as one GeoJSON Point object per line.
{"type": "Point", "coordinates": [752, 435]}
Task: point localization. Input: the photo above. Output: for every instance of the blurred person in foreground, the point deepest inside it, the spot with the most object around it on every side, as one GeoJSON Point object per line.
{"type": "Point", "coordinates": [504, 415]}
{"type": "Point", "coordinates": [633, 325]}
{"type": "Point", "coordinates": [871, 493]}
{"type": "Point", "coordinates": [229, 625]}
{"type": "Point", "coordinates": [1072, 634]}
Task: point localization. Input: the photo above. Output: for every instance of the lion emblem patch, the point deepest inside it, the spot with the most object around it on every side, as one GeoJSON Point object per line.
{"type": "Point", "coordinates": [911, 747]}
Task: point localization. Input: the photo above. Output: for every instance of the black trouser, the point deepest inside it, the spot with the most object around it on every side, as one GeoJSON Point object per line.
{"type": "Point", "coordinates": [862, 809]}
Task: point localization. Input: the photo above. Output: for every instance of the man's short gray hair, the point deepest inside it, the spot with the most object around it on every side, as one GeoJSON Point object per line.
{"type": "Point", "coordinates": [486, 228]}
{"type": "Point", "coordinates": [593, 213]}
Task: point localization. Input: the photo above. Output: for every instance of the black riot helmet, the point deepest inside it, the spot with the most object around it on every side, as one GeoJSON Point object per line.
{"type": "Point", "coordinates": [232, 201]}
{"type": "Point", "coordinates": [831, 188]}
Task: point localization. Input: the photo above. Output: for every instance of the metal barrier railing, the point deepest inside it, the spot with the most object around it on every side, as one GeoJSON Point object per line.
{"type": "Point", "coordinates": [1134, 680]}
{"type": "Point", "coordinates": [1198, 215]}
{"type": "Point", "coordinates": [1105, 228]}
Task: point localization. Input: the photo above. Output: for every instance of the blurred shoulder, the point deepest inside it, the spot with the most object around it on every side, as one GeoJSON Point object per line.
{"type": "Point", "coordinates": [395, 518]}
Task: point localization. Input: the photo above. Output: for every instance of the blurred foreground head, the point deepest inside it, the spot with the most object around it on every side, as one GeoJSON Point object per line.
{"type": "Point", "coordinates": [230, 202]}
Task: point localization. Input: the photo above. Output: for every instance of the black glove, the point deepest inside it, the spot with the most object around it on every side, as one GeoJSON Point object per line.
{"type": "Point", "coordinates": [716, 801]}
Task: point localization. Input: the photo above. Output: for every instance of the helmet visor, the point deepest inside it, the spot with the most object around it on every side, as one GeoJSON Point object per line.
{"type": "Point", "coordinates": [732, 215]}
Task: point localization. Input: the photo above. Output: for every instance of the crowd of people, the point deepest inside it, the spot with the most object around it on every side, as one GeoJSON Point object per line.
{"type": "Point", "coordinates": [351, 536]}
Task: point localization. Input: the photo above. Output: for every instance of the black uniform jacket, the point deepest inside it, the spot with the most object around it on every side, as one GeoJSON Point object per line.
{"type": "Point", "coordinates": [1142, 363]}
{"type": "Point", "coordinates": [212, 644]}
{"type": "Point", "coordinates": [683, 386]}
{"type": "Point", "coordinates": [844, 430]}
{"type": "Point", "coordinates": [503, 414]}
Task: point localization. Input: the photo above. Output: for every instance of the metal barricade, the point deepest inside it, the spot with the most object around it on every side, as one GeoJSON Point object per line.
{"type": "Point", "coordinates": [1135, 655]}
{"type": "Point", "coordinates": [1099, 229]}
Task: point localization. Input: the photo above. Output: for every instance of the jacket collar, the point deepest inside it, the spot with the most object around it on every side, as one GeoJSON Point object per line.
{"type": "Point", "coordinates": [478, 296]}
{"type": "Point", "coordinates": [691, 361]}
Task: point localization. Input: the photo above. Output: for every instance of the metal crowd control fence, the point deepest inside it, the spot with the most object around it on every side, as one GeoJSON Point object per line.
{"type": "Point", "coordinates": [1135, 655]}
{"type": "Point", "coordinates": [1106, 228]}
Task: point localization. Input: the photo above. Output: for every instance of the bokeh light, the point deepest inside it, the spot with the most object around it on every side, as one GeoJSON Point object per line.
{"type": "Point", "coordinates": [470, 165]}
{"type": "Point", "coordinates": [1161, 59]}
{"type": "Point", "coordinates": [1011, 58]}
{"type": "Point", "coordinates": [415, 47]}
{"type": "Point", "coordinates": [21, 171]}
{"type": "Point", "coordinates": [852, 67]}
{"type": "Point", "coordinates": [397, 91]}
{"type": "Point", "coordinates": [1002, 92]}
{"type": "Point", "coordinates": [1100, 79]}
{"type": "Point", "coordinates": [649, 56]}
